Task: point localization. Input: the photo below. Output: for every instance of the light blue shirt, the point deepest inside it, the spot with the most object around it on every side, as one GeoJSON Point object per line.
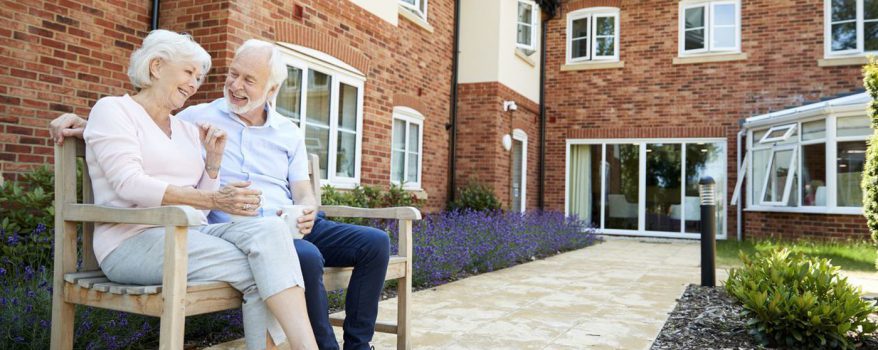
{"type": "Point", "coordinates": [272, 155]}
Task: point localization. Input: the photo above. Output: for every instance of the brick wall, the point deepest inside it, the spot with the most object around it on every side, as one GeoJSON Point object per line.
{"type": "Point", "coordinates": [56, 58]}
{"type": "Point", "coordinates": [811, 226]}
{"type": "Point", "coordinates": [481, 126]}
{"type": "Point", "coordinates": [652, 97]}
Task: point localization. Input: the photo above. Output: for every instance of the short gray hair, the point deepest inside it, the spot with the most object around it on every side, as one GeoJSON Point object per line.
{"type": "Point", "coordinates": [168, 46]}
{"type": "Point", "coordinates": [276, 63]}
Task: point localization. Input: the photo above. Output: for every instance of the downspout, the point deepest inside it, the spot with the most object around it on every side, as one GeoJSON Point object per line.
{"type": "Point", "coordinates": [740, 205]}
{"type": "Point", "coordinates": [154, 21]}
{"type": "Point", "coordinates": [541, 202]}
{"type": "Point", "coordinates": [452, 156]}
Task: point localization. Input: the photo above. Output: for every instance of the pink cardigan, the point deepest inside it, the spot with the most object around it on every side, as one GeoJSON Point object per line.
{"type": "Point", "coordinates": [132, 161]}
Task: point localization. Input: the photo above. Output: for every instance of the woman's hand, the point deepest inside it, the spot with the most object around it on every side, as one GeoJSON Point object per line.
{"type": "Point", "coordinates": [236, 198]}
{"type": "Point", "coordinates": [67, 125]}
{"type": "Point", "coordinates": [214, 141]}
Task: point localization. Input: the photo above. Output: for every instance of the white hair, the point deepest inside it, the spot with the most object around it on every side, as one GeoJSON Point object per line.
{"type": "Point", "coordinates": [167, 46]}
{"type": "Point", "coordinates": [278, 68]}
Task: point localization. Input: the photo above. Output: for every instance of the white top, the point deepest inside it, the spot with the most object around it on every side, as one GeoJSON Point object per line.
{"type": "Point", "coordinates": [132, 161]}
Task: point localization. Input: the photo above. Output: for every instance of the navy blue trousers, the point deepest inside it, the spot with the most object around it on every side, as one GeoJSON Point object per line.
{"type": "Point", "coordinates": [333, 244]}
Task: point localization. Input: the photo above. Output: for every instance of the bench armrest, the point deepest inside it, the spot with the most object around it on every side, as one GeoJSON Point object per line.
{"type": "Point", "coordinates": [398, 213]}
{"type": "Point", "coordinates": [171, 215]}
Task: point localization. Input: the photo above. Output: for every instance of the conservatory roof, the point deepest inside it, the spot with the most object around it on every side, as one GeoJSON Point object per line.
{"type": "Point", "coordinates": [855, 102]}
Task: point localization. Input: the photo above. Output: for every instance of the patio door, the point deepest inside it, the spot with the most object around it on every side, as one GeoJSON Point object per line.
{"type": "Point", "coordinates": [644, 187]}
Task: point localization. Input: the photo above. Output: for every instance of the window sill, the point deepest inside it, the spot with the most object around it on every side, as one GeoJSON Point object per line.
{"type": "Point", "coordinates": [415, 18]}
{"type": "Point", "coordinates": [843, 61]}
{"type": "Point", "coordinates": [706, 58]}
{"type": "Point", "coordinates": [592, 65]}
{"type": "Point", "coordinates": [524, 57]}
{"type": "Point", "coordinates": [805, 210]}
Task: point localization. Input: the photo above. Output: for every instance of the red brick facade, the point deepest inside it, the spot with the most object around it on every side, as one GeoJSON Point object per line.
{"type": "Point", "coordinates": [651, 97]}
{"type": "Point", "coordinates": [481, 126]}
{"type": "Point", "coordinates": [59, 58]}
{"type": "Point", "coordinates": [62, 58]}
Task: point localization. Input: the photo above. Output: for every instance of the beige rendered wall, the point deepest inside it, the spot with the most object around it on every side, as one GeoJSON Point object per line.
{"type": "Point", "coordinates": [514, 71]}
{"type": "Point", "coordinates": [387, 10]}
{"type": "Point", "coordinates": [488, 51]}
{"type": "Point", "coordinates": [479, 30]}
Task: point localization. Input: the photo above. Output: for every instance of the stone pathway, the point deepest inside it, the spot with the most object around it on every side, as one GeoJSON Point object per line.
{"type": "Point", "coordinates": [614, 295]}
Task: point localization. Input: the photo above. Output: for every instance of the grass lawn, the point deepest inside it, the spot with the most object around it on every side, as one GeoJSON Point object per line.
{"type": "Point", "coordinates": [851, 256]}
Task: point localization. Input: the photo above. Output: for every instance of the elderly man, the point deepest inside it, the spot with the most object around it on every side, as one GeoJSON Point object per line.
{"type": "Point", "coordinates": [268, 149]}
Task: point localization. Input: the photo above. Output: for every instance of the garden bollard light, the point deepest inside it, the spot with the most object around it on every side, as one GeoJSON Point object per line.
{"type": "Point", "coordinates": [707, 192]}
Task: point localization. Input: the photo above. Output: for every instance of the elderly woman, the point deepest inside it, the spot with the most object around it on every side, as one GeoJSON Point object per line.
{"type": "Point", "coordinates": [139, 155]}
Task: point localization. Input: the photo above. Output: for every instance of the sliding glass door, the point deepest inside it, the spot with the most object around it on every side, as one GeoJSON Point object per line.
{"type": "Point", "coordinates": [644, 187]}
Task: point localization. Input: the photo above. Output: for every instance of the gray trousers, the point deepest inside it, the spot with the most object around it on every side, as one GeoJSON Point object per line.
{"type": "Point", "coordinates": [255, 256]}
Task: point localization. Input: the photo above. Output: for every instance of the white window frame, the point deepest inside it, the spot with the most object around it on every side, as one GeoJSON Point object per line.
{"type": "Point", "coordinates": [339, 73]}
{"type": "Point", "coordinates": [786, 135]}
{"type": "Point", "coordinates": [785, 197]}
{"type": "Point", "coordinates": [419, 7]}
{"type": "Point", "coordinates": [520, 135]}
{"type": "Point", "coordinates": [533, 24]}
{"type": "Point", "coordinates": [709, 47]}
{"type": "Point", "coordinates": [409, 116]}
{"type": "Point", "coordinates": [831, 140]}
{"type": "Point", "coordinates": [589, 14]}
{"type": "Point", "coordinates": [641, 204]}
{"type": "Point", "coordinates": [827, 32]}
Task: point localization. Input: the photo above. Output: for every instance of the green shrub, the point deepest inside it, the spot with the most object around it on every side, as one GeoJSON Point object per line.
{"type": "Point", "coordinates": [26, 219]}
{"type": "Point", "coordinates": [799, 302]}
{"type": "Point", "coordinates": [368, 197]}
{"type": "Point", "coordinates": [475, 196]}
{"type": "Point", "coordinates": [869, 183]}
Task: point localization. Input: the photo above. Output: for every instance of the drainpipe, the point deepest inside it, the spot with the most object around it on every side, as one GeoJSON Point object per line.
{"type": "Point", "coordinates": [452, 156]}
{"type": "Point", "coordinates": [740, 205]}
{"type": "Point", "coordinates": [541, 202]}
{"type": "Point", "coordinates": [154, 21]}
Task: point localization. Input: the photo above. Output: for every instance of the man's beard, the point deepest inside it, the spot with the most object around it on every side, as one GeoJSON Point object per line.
{"type": "Point", "coordinates": [250, 106]}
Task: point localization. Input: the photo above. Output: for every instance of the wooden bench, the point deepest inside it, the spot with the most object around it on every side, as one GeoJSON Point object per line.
{"type": "Point", "coordinates": [175, 298]}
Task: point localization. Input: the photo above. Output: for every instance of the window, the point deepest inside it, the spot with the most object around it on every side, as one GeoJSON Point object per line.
{"type": "Point", "coordinates": [326, 102]}
{"type": "Point", "coordinates": [419, 7]}
{"type": "Point", "coordinates": [405, 150]}
{"type": "Point", "coordinates": [710, 27]}
{"type": "Point", "coordinates": [527, 22]}
{"type": "Point", "coordinates": [593, 35]}
{"type": "Point", "coordinates": [851, 26]}
{"type": "Point", "coordinates": [644, 186]}
{"type": "Point", "coordinates": [812, 165]}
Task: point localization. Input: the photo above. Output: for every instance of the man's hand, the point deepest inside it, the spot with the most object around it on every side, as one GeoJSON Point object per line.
{"type": "Point", "coordinates": [306, 221]}
{"type": "Point", "coordinates": [67, 125]}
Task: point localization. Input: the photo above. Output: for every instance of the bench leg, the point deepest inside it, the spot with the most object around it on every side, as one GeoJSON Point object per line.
{"type": "Point", "coordinates": [62, 321]}
{"type": "Point", "coordinates": [174, 289]}
{"type": "Point", "coordinates": [403, 294]}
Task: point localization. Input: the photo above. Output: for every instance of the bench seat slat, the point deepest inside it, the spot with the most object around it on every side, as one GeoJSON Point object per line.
{"type": "Point", "coordinates": [334, 278]}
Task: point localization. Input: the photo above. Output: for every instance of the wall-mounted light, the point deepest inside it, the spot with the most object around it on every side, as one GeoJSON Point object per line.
{"type": "Point", "coordinates": [509, 106]}
{"type": "Point", "coordinates": [507, 142]}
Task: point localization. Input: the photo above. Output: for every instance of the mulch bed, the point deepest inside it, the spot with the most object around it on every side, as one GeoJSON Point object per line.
{"type": "Point", "coordinates": [709, 318]}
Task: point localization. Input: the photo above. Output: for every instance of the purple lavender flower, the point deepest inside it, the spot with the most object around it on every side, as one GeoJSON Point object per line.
{"type": "Point", "coordinates": [28, 273]}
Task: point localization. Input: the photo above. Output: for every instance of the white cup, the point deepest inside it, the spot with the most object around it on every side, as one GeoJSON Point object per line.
{"type": "Point", "coordinates": [291, 214]}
